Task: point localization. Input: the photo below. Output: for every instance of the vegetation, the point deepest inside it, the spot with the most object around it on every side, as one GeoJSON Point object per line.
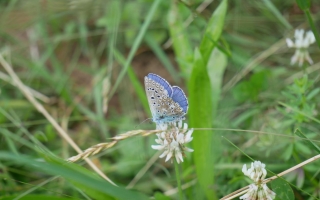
{"type": "Point", "coordinates": [71, 79]}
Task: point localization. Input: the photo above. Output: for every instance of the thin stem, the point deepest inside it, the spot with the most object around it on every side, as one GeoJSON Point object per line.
{"type": "Point", "coordinates": [176, 166]}
{"type": "Point", "coordinates": [313, 27]}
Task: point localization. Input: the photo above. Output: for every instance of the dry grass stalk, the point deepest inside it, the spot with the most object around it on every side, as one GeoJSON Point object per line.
{"type": "Point", "coordinates": [42, 110]}
{"type": "Point", "coordinates": [103, 146]}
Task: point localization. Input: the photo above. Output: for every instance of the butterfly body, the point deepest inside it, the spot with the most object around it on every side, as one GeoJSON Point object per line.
{"type": "Point", "coordinates": [167, 104]}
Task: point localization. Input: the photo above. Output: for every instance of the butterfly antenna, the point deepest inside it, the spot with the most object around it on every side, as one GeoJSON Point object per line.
{"type": "Point", "coordinates": [143, 122]}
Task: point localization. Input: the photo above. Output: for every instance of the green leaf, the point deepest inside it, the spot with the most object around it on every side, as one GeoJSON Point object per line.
{"type": "Point", "coordinates": [282, 189]}
{"type": "Point", "coordinates": [313, 93]}
{"type": "Point", "coordinates": [213, 30]}
{"type": "Point", "coordinates": [203, 102]}
{"type": "Point", "coordinates": [201, 113]}
{"type": "Point", "coordinates": [72, 173]}
{"type": "Point", "coordinates": [160, 196]}
{"type": "Point", "coordinates": [216, 67]}
{"type": "Point", "coordinates": [303, 4]}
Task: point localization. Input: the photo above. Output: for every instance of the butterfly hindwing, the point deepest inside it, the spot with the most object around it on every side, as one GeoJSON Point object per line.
{"type": "Point", "coordinates": [179, 97]}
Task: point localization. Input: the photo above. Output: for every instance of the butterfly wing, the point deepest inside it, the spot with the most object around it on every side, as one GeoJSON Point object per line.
{"type": "Point", "coordinates": [162, 82]}
{"type": "Point", "coordinates": [179, 97]}
{"type": "Point", "coordinates": [167, 104]}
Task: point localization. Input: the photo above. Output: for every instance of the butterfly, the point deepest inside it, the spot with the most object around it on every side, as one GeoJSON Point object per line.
{"type": "Point", "coordinates": [167, 103]}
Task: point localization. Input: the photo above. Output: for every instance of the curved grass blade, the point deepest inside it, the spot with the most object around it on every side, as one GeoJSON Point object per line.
{"type": "Point", "coordinates": [71, 172]}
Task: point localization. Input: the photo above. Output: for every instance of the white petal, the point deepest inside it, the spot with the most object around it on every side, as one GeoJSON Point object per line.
{"type": "Point", "coordinates": [289, 43]}
{"type": "Point", "coordinates": [164, 154]}
{"type": "Point", "coordinates": [157, 147]}
{"type": "Point", "coordinates": [180, 138]}
{"type": "Point", "coordinates": [188, 149]}
{"type": "Point", "coordinates": [294, 58]}
{"type": "Point", "coordinates": [310, 36]}
{"type": "Point", "coordinates": [168, 156]}
{"type": "Point", "coordinates": [244, 169]}
{"type": "Point", "coordinates": [180, 124]}
{"type": "Point", "coordinates": [158, 141]}
{"type": "Point", "coordinates": [185, 126]}
{"type": "Point", "coordinates": [179, 157]}
{"type": "Point", "coordinates": [188, 137]}
{"type": "Point", "coordinates": [308, 58]}
{"type": "Point", "coordinates": [264, 173]}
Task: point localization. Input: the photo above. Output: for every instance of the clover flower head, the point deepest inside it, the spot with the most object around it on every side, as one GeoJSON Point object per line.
{"type": "Point", "coordinates": [259, 192]}
{"type": "Point", "coordinates": [301, 44]}
{"type": "Point", "coordinates": [257, 172]}
{"type": "Point", "coordinates": [172, 140]}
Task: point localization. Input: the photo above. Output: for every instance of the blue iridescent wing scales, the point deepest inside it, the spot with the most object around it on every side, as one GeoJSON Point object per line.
{"type": "Point", "coordinates": [179, 97]}
{"type": "Point", "coordinates": [162, 82]}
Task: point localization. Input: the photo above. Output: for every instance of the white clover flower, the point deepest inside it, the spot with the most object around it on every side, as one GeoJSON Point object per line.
{"type": "Point", "coordinates": [172, 140]}
{"type": "Point", "coordinates": [257, 190]}
{"type": "Point", "coordinates": [301, 44]}
{"type": "Point", "coordinates": [251, 194]}
{"type": "Point", "coordinates": [257, 172]}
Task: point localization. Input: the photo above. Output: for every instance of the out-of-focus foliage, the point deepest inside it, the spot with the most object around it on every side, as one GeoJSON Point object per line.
{"type": "Point", "coordinates": [75, 52]}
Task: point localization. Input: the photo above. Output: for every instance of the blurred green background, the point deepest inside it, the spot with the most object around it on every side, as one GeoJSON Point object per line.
{"type": "Point", "coordinates": [88, 58]}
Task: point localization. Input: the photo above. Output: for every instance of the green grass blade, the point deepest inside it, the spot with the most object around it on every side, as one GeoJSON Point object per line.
{"type": "Point", "coordinates": [203, 102]}
{"type": "Point", "coordinates": [75, 174]}
{"type": "Point", "coordinates": [136, 44]}
{"type": "Point", "coordinates": [37, 197]}
{"type": "Point", "coordinates": [181, 44]}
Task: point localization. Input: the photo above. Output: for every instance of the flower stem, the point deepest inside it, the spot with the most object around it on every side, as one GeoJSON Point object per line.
{"type": "Point", "coordinates": [176, 166]}
{"type": "Point", "coordinates": [313, 27]}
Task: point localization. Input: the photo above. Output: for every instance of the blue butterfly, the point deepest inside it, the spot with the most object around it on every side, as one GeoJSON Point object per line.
{"type": "Point", "coordinates": [167, 104]}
